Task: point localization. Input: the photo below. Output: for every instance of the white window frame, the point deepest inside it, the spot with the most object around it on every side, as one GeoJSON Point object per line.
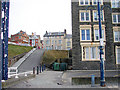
{"type": "Point", "coordinates": [116, 54]}
{"type": "Point", "coordinates": [115, 4]}
{"type": "Point", "coordinates": [116, 18]}
{"type": "Point", "coordinates": [84, 3]}
{"type": "Point", "coordinates": [96, 2]}
{"type": "Point", "coordinates": [84, 11]}
{"type": "Point", "coordinates": [85, 27]}
{"type": "Point", "coordinates": [91, 45]}
{"type": "Point", "coordinates": [97, 16]}
{"type": "Point", "coordinates": [116, 29]}
{"type": "Point", "coordinates": [68, 43]}
{"type": "Point", "coordinates": [60, 41]}
{"type": "Point", "coordinates": [97, 27]}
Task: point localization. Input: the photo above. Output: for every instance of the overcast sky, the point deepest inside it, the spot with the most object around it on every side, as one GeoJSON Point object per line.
{"type": "Point", "coordinates": [39, 16]}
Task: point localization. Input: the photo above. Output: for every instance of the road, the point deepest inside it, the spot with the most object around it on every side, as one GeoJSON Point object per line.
{"type": "Point", "coordinates": [55, 79]}
{"type": "Point", "coordinates": [32, 61]}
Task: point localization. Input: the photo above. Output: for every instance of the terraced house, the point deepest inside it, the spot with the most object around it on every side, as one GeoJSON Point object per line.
{"type": "Point", "coordinates": [57, 41]}
{"type": "Point", "coordinates": [85, 34]}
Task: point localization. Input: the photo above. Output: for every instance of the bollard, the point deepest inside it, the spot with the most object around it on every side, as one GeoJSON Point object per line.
{"type": "Point", "coordinates": [37, 70]}
{"type": "Point", "coordinates": [40, 68]}
{"type": "Point", "coordinates": [25, 74]}
{"type": "Point", "coordinates": [44, 67]}
{"type": "Point", "coordinates": [16, 76]}
{"type": "Point", "coordinates": [33, 70]}
{"type": "Point", "coordinates": [92, 80]}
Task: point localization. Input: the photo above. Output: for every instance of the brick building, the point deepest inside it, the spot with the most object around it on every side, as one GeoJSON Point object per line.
{"type": "Point", "coordinates": [57, 41]}
{"type": "Point", "coordinates": [34, 40]}
{"type": "Point", "coordinates": [20, 37]}
{"type": "Point", "coordinates": [85, 34]}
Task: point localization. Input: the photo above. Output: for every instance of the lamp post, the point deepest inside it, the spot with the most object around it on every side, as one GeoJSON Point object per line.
{"type": "Point", "coordinates": [102, 74]}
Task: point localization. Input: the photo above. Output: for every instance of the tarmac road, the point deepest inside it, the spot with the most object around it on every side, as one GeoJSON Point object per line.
{"type": "Point", "coordinates": [32, 61]}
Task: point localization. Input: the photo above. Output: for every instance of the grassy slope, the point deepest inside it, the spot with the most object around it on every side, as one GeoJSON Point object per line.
{"type": "Point", "coordinates": [14, 50]}
{"type": "Point", "coordinates": [51, 55]}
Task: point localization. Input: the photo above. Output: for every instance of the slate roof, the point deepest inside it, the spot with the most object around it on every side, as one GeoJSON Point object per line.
{"type": "Point", "coordinates": [68, 36]}
{"type": "Point", "coordinates": [51, 34]}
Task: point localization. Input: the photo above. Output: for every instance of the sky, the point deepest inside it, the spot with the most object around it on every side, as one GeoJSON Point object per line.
{"type": "Point", "coordinates": [40, 16]}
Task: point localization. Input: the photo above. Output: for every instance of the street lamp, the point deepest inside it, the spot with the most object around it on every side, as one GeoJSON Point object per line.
{"type": "Point", "coordinates": [102, 74]}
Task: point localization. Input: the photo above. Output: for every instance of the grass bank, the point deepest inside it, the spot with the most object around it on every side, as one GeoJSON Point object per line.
{"type": "Point", "coordinates": [51, 55]}
{"type": "Point", "coordinates": [14, 50]}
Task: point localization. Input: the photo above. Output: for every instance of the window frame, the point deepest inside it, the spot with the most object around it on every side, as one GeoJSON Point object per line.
{"type": "Point", "coordinates": [97, 16]}
{"type": "Point", "coordinates": [85, 27]}
{"type": "Point", "coordinates": [84, 11]}
{"type": "Point", "coordinates": [115, 4]}
{"type": "Point", "coordinates": [97, 1]}
{"type": "Point", "coordinates": [116, 18]}
{"type": "Point", "coordinates": [91, 45]}
{"type": "Point", "coordinates": [97, 27]}
{"type": "Point", "coordinates": [84, 3]}
{"type": "Point", "coordinates": [116, 54]}
{"type": "Point", "coordinates": [115, 29]}
{"type": "Point", "coordinates": [60, 41]}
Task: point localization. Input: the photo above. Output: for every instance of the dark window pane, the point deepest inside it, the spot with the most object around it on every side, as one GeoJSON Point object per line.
{"type": "Point", "coordinates": [87, 16]}
{"type": "Point", "coordinates": [118, 18]}
{"type": "Point", "coordinates": [82, 16]}
{"type": "Point", "coordinates": [83, 34]}
{"type": "Point", "coordinates": [88, 34]}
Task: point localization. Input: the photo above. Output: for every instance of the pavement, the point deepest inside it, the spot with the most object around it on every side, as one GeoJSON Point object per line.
{"type": "Point", "coordinates": [58, 79]}
{"type": "Point", "coordinates": [32, 61]}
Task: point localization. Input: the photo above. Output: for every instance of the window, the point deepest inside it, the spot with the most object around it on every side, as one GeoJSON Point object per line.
{"type": "Point", "coordinates": [115, 3]}
{"type": "Point", "coordinates": [47, 42]}
{"type": "Point", "coordinates": [84, 16]}
{"type": "Point", "coordinates": [85, 34]}
{"type": "Point", "coordinates": [84, 2]}
{"type": "Point", "coordinates": [19, 37]}
{"type": "Point", "coordinates": [117, 36]}
{"type": "Point", "coordinates": [47, 47]}
{"type": "Point", "coordinates": [52, 41]}
{"type": "Point", "coordinates": [116, 18]}
{"type": "Point", "coordinates": [96, 33]}
{"type": "Point", "coordinates": [91, 53]}
{"type": "Point", "coordinates": [55, 42]}
{"type": "Point", "coordinates": [68, 43]}
{"type": "Point", "coordinates": [95, 15]}
{"type": "Point", "coordinates": [95, 2]}
{"type": "Point", "coordinates": [68, 48]}
{"type": "Point", "coordinates": [60, 41]}
{"type": "Point", "coordinates": [117, 55]}
{"type": "Point", "coordinates": [59, 47]}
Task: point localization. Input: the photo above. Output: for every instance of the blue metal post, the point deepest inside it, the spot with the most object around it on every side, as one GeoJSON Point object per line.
{"type": "Point", "coordinates": [102, 79]}
{"type": "Point", "coordinates": [6, 39]}
{"type": "Point", "coordinates": [3, 35]}
{"type": "Point", "coordinates": [92, 80]}
{"type": "Point", "coordinates": [44, 67]}
{"type": "Point", "coordinates": [40, 68]}
{"type": "Point", "coordinates": [0, 47]}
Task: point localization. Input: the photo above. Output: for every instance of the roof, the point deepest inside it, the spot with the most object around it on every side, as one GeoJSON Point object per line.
{"type": "Point", "coordinates": [68, 36]}
{"type": "Point", "coordinates": [51, 34]}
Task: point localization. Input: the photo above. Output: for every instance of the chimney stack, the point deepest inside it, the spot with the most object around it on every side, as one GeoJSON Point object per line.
{"type": "Point", "coordinates": [65, 31]}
